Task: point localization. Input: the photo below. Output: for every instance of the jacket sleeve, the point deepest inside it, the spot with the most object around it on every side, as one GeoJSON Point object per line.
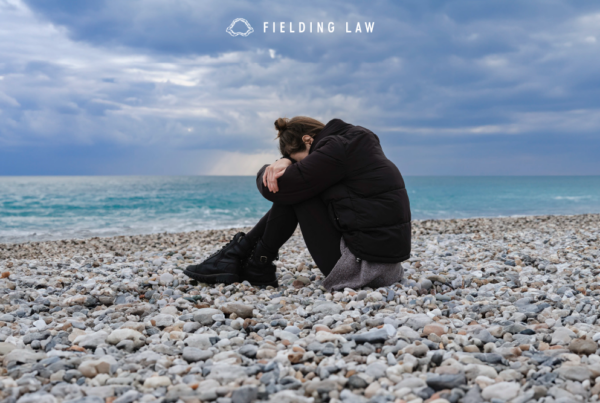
{"type": "Point", "coordinates": [305, 179]}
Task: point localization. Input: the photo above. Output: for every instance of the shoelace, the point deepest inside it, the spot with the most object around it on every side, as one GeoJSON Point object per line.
{"type": "Point", "coordinates": [219, 251]}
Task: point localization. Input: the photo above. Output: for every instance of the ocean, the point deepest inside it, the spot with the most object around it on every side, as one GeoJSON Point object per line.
{"type": "Point", "coordinates": [47, 208]}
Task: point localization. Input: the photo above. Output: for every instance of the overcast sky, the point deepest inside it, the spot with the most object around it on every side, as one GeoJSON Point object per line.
{"type": "Point", "coordinates": [159, 87]}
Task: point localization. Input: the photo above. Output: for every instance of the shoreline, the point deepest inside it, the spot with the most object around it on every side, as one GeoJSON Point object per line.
{"type": "Point", "coordinates": [415, 222]}
{"type": "Point", "coordinates": [489, 309]}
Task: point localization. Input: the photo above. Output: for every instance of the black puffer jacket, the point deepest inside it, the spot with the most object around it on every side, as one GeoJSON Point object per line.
{"type": "Point", "coordinates": [363, 190]}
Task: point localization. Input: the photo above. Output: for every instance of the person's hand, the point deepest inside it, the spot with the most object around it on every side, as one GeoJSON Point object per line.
{"type": "Point", "coordinates": [274, 171]}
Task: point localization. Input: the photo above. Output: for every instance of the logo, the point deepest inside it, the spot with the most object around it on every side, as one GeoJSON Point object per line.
{"type": "Point", "coordinates": [231, 32]}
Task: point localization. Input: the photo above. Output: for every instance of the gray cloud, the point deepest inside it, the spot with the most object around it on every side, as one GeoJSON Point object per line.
{"type": "Point", "coordinates": [446, 81]}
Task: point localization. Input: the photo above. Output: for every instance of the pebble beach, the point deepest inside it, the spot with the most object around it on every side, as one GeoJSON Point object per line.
{"type": "Point", "coordinates": [489, 310]}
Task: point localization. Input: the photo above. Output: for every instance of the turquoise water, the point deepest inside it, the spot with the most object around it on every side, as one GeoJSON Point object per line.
{"type": "Point", "coordinates": [41, 208]}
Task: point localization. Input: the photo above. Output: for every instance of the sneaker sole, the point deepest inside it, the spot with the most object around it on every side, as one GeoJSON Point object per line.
{"type": "Point", "coordinates": [226, 278]}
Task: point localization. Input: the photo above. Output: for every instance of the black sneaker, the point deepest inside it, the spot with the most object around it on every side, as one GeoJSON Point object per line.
{"type": "Point", "coordinates": [259, 269]}
{"type": "Point", "coordinates": [224, 265]}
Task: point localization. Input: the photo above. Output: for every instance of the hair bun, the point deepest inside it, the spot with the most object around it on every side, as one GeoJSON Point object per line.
{"type": "Point", "coordinates": [281, 125]}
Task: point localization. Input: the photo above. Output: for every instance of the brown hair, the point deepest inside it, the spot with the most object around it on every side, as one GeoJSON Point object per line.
{"type": "Point", "coordinates": [290, 132]}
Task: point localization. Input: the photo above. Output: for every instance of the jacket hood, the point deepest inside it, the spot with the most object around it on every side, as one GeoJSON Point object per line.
{"type": "Point", "coordinates": [333, 127]}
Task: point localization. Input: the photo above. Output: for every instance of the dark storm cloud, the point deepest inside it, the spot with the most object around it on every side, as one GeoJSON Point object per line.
{"type": "Point", "coordinates": [448, 81]}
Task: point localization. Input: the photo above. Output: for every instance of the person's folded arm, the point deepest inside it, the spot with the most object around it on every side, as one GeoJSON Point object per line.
{"type": "Point", "coordinates": [307, 178]}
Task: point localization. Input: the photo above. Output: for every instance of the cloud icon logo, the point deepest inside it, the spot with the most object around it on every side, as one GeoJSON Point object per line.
{"type": "Point", "coordinates": [231, 32]}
